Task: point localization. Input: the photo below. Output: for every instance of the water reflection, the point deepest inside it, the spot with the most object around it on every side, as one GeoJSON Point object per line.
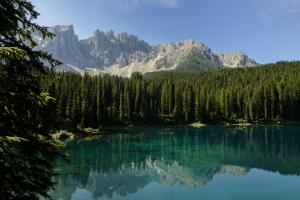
{"type": "Point", "coordinates": [123, 162]}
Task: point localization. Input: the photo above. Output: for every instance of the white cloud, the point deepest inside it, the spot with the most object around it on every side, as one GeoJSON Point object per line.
{"type": "Point", "coordinates": [168, 3]}
{"type": "Point", "coordinates": [129, 4]}
{"type": "Point", "coordinates": [291, 6]}
{"type": "Point", "coordinates": [270, 7]}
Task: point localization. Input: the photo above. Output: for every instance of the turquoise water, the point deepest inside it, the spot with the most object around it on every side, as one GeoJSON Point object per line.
{"type": "Point", "coordinates": [213, 162]}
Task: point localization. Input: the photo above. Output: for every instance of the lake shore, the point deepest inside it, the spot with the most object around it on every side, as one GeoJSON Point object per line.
{"type": "Point", "coordinates": [67, 135]}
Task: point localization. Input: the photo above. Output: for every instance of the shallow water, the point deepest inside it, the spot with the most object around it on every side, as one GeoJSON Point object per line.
{"type": "Point", "coordinates": [213, 162]}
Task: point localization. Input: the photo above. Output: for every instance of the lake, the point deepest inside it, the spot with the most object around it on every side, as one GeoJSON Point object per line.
{"type": "Point", "coordinates": [160, 163]}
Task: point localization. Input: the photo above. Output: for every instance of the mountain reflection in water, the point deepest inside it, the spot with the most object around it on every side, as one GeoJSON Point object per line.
{"type": "Point", "coordinates": [125, 161]}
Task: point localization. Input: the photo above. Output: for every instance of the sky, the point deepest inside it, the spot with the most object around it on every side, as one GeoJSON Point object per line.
{"type": "Point", "coordinates": [265, 30]}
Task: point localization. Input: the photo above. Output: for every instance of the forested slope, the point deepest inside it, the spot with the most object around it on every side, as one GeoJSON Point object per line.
{"type": "Point", "coordinates": [260, 94]}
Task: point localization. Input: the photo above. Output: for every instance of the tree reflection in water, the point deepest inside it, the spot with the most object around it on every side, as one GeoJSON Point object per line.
{"type": "Point", "coordinates": [125, 161]}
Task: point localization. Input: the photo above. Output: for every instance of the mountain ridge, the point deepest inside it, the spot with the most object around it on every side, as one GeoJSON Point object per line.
{"type": "Point", "coordinates": [122, 54]}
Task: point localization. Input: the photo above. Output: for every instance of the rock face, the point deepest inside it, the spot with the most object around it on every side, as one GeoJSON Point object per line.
{"type": "Point", "coordinates": [123, 54]}
{"type": "Point", "coordinates": [109, 49]}
{"type": "Point", "coordinates": [66, 47]}
{"type": "Point", "coordinates": [170, 54]}
{"type": "Point", "coordinates": [236, 59]}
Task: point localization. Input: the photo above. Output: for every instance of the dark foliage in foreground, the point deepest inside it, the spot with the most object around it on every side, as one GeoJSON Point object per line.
{"type": "Point", "coordinates": [26, 155]}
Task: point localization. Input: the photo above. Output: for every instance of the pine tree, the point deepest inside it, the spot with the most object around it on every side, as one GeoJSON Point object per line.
{"type": "Point", "coordinates": [99, 100]}
{"type": "Point", "coordinates": [138, 97]}
{"type": "Point", "coordinates": [26, 153]}
{"type": "Point", "coordinates": [127, 93]}
{"type": "Point", "coordinates": [121, 108]}
{"type": "Point", "coordinates": [208, 96]}
{"type": "Point", "coordinates": [178, 102]}
{"type": "Point", "coordinates": [170, 98]}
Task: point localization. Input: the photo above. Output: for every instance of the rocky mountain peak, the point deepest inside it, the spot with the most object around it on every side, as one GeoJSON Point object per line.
{"type": "Point", "coordinates": [62, 28]}
{"type": "Point", "coordinates": [123, 53]}
{"type": "Point", "coordinates": [236, 59]}
{"type": "Point", "coordinates": [187, 43]}
{"type": "Point", "coordinates": [110, 49]}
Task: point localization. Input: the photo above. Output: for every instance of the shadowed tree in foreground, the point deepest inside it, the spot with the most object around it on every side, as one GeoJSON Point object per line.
{"type": "Point", "coordinates": [26, 155]}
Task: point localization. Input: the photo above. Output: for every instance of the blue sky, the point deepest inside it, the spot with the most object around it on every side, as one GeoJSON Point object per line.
{"type": "Point", "coordinates": [266, 30]}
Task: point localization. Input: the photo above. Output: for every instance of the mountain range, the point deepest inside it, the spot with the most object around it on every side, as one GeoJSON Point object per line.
{"type": "Point", "coordinates": [115, 181]}
{"type": "Point", "coordinates": [122, 54]}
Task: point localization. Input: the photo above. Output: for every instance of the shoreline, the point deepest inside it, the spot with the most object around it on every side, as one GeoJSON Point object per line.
{"type": "Point", "coordinates": [64, 135]}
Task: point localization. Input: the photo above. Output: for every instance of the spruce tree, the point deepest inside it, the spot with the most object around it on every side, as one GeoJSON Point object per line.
{"type": "Point", "coordinates": [26, 153]}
